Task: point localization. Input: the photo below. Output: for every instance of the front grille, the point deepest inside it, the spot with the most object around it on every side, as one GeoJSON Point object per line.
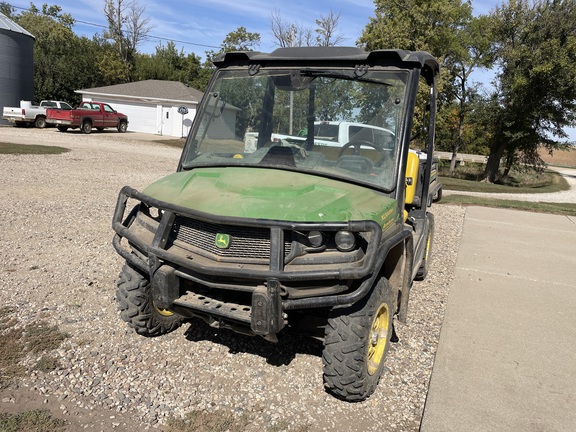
{"type": "Point", "coordinates": [245, 242]}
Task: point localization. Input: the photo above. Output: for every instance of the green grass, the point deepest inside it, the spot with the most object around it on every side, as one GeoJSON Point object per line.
{"type": "Point", "coordinates": [27, 149]}
{"type": "Point", "coordinates": [203, 421]}
{"type": "Point", "coordinates": [466, 179]}
{"type": "Point", "coordinates": [546, 182]}
{"type": "Point", "coordinates": [17, 341]}
{"type": "Point", "coordinates": [176, 142]}
{"type": "Point", "coordinates": [30, 421]}
{"type": "Point", "coordinates": [538, 207]}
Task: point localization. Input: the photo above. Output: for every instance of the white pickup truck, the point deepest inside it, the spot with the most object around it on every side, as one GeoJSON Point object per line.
{"type": "Point", "coordinates": [32, 114]}
{"type": "Point", "coordinates": [331, 134]}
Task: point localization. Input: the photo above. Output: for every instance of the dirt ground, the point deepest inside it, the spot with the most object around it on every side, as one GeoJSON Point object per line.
{"type": "Point", "coordinates": [566, 158]}
{"type": "Point", "coordinates": [18, 399]}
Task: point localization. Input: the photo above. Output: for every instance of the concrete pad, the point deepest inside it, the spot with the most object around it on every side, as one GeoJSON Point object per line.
{"type": "Point", "coordinates": [525, 245]}
{"type": "Point", "coordinates": [507, 354]}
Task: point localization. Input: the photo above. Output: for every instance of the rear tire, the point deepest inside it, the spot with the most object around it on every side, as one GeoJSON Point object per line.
{"type": "Point", "coordinates": [40, 122]}
{"type": "Point", "coordinates": [356, 342]}
{"type": "Point", "coordinates": [86, 127]}
{"type": "Point", "coordinates": [137, 308]}
{"type": "Point", "coordinates": [423, 269]}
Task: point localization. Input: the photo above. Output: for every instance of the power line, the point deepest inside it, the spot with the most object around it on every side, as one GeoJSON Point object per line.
{"type": "Point", "coordinates": [147, 36]}
{"type": "Point", "coordinates": [152, 36]}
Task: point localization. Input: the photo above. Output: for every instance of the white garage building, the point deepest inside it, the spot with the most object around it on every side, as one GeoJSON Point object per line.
{"type": "Point", "coordinates": [152, 106]}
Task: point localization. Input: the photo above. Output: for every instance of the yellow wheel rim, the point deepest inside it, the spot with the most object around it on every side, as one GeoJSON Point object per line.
{"type": "Point", "coordinates": [378, 339]}
{"type": "Point", "coordinates": [164, 312]}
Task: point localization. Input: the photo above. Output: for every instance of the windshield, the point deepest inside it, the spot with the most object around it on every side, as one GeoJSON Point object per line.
{"type": "Point", "coordinates": [327, 122]}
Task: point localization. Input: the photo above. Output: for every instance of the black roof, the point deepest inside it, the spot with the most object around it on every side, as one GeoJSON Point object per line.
{"type": "Point", "coordinates": [333, 56]}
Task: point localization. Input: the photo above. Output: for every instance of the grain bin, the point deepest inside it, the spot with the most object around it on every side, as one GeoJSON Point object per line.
{"type": "Point", "coordinates": [16, 64]}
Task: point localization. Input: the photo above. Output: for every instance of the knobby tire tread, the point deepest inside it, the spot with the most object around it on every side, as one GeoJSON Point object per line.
{"type": "Point", "coordinates": [346, 344]}
{"type": "Point", "coordinates": [136, 306]}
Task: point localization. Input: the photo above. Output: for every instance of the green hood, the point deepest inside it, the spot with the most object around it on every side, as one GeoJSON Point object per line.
{"type": "Point", "coordinates": [272, 194]}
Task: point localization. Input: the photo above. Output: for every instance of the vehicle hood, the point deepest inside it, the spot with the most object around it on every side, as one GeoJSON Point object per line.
{"type": "Point", "coordinates": [272, 194]}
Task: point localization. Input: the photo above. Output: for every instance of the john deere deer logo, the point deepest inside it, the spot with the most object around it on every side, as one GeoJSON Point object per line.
{"type": "Point", "coordinates": [222, 241]}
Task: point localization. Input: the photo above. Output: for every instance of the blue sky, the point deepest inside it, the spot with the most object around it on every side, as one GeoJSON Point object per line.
{"type": "Point", "coordinates": [198, 26]}
{"type": "Point", "coordinates": [206, 23]}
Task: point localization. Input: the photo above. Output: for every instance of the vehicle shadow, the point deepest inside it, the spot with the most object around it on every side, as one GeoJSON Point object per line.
{"type": "Point", "coordinates": [280, 353]}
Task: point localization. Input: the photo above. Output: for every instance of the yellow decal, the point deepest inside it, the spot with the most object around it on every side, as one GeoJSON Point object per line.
{"type": "Point", "coordinates": [222, 241]}
{"type": "Point", "coordinates": [387, 217]}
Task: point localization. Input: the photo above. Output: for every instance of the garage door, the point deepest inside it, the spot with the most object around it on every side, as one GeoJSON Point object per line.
{"type": "Point", "coordinates": [141, 118]}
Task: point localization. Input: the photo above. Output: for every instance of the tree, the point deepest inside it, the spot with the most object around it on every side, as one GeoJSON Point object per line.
{"type": "Point", "coordinates": [416, 25]}
{"type": "Point", "coordinates": [326, 30]}
{"type": "Point", "coordinates": [7, 9]}
{"type": "Point", "coordinates": [237, 40]}
{"type": "Point", "coordinates": [240, 40]}
{"type": "Point", "coordinates": [167, 63]}
{"type": "Point", "coordinates": [289, 34]}
{"type": "Point", "coordinates": [472, 49]}
{"type": "Point", "coordinates": [535, 97]}
{"type": "Point", "coordinates": [54, 51]}
{"type": "Point", "coordinates": [446, 29]}
{"type": "Point", "coordinates": [127, 27]}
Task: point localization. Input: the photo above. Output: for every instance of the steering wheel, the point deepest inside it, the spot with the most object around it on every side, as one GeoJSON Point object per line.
{"type": "Point", "coordinates": [356, 144]}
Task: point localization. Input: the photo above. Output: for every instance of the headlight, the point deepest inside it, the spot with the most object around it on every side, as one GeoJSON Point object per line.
{"type": "Point", "coordinates": [345, 241]}
{"type": "Point", "coordinates": [153, 212]}
{"type": "Point", "coordinates": [316, 238]}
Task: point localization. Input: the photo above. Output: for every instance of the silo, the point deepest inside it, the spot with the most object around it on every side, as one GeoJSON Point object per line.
{"type": "Point", "coordinates": [16, 64]}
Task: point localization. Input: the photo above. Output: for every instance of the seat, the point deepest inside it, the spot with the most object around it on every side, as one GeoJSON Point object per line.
{"type": "Point", "coordinates": [359, 164]}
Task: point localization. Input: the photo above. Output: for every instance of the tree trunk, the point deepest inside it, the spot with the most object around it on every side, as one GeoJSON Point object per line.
{"type": "Point", "coordinates": [456, 148]}
{"type": "Point", "coordinates": [493, 163]}
{"type": "Point", "coordinates": [509, 163]}
{"type": "Point", "coordinates": [461, 115]}
{"type": "Point", "coordinates": [453, 161]}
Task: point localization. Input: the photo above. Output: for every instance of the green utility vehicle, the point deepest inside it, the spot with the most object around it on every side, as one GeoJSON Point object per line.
{"type": "Point", "coordinates": [271, 224]}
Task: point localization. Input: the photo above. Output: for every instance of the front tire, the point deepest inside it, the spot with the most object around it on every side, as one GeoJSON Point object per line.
{"type": "Point", "coordinates": [122, 127]}
{"type": "Point", "coordinates": [134, 298]}
{"type": "Point", "coordinates": [356, 342]}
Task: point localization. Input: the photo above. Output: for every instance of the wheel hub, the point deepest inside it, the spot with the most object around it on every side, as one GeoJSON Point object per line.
{"type": "Point", "coordinates": [378, 339]}
{"type": "Point", "coordinates": [164, 312]}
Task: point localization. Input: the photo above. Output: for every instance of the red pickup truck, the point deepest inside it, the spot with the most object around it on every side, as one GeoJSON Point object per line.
{"type": "Point", "coordinates": [88, 115]}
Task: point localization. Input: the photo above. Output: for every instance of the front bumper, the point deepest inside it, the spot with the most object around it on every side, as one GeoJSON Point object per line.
{"type": "Point", "coordinates": [281, 278]}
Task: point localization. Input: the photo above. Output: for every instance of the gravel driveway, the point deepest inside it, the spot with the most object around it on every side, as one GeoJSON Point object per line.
{"type": "Point", "coordinates": [57, 263]}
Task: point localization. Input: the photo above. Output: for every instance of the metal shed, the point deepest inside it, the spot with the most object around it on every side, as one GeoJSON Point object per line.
{"type": "Point", "coordinates": [16, 64]}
